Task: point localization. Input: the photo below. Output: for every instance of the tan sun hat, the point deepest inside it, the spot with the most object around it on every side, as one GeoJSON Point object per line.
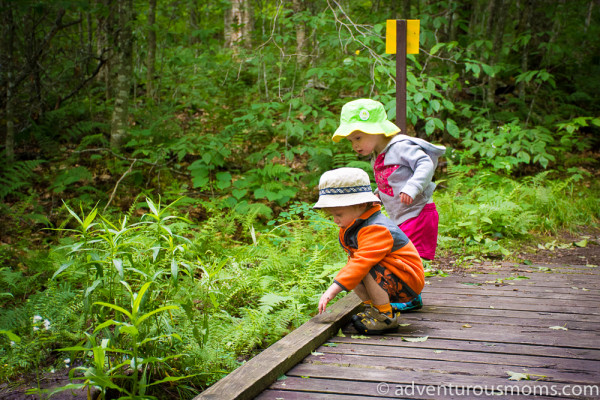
{"type": "Point", "coordinates": [364, 115]}
{"type": "Point", "coordinates": [345, 187]}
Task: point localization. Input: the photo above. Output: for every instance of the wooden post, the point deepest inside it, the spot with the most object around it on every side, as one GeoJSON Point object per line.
{"type": "Point", "coordinates": [401, 75]}
{"type": "Point", "coordinates": [246, 382]}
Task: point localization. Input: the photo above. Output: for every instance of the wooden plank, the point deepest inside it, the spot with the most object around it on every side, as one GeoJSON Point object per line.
{"type": "Point", "coordinates": [545, 268]}
{"type": "Point", "coordinates": [519, 292]}
{"type": "Point", "coordinates": [303, 395]}
{"type": "Point", "coordinates": [587, 268]}
{"type": "Point", "coordinates": [484, 301]}
{"type": "Point", "coordinates": [528, 291]}
{"type": "Point", "coordinates": [297, 388]}
{"type": "Point", "coordinates": [546, 272]}
{"type": "Point", "coordinates": [498, 322]}
{"type": "Point", "coordinates": [523, 335]}
{"type": "Point", "coordinates": [498, 313]}
{"type": "Point", "coordinates": [477, 300]}
{"type": "Point", "coordinates": [454, 367]}
{"type": "Point", "coordinates": [531, 286]}
{"type": "Point", "coordinates": [257, 374]}
{"type": "Point", "coordinates": [475, 346]}
{"type": "Point", "coordinates": [541, 277]}
{"type": "Point", "coordinates": [512, 293]}
{"type": "Point", "coordinates": [548, 280]}
{"type": "Point", "coordinates": [475, 357]}
{"type": "Point", "coordinates": [364, 381]}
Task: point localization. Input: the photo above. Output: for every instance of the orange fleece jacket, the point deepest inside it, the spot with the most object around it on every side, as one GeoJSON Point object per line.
{"type": "Point", "coordinates": [377, 245]}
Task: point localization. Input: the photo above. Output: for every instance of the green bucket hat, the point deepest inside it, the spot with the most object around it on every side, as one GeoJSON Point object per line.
{"type": "Point", "coordinates": [364, 115]}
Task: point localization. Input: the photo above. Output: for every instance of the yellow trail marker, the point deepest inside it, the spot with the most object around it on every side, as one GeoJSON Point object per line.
{"type": "Point", "coordinates": [412, 36]}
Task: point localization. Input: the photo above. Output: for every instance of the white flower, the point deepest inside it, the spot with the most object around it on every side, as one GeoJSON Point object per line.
{"type": "Point", "coordinates": [36, 319]}
{"type": "Point", "coordinates": [46, 324]}
{"type": "Point", "coordinates": [67, 361]}
{"type": "Point", "coordinates": [35, 328]}
{"type": "Point", "coordinates": [12, 344]}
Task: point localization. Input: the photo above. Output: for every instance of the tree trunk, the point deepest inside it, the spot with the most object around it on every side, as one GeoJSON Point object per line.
{"type": "Point", "coordinates": [525, 29]}
{"type": "Point", "coordinates": [473, 21]}
{"type": "Point", "coordinates": [151, 57]}
{"type": "Point", "coordinates": [299, 6]}
{"type": "Point", "coordinates": [557, 27]}
{"type": "Point", "coordinates": [238, 25]}
{"type": "Point", "coordinates": [104, 31]}
{"type": "Point", "coordinates": [194, 23]}
{"type": "Point", "coordinates": [124, 42]}
{"type": "Point", "coordinates": [6, 58]}
{"type": "Point", "coordinates": [498, 17]}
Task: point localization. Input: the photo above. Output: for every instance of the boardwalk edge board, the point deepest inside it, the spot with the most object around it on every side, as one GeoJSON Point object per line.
{"type": "Point", "coordinates": [256, 375]}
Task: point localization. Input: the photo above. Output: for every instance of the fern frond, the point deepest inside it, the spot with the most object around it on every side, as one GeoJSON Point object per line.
{"type": "Point", "coordinates": [131, 209]}
{"type": "Point", "coordinates": [85, 128]}
{"type": "Point", "coordinates": [17, 175]}
{"type": "Point", "coordinates": [342, 160]}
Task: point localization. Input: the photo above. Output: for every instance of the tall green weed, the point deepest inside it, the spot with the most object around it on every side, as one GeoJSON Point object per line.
{"type": "Point", "coordinates": [224, 295]}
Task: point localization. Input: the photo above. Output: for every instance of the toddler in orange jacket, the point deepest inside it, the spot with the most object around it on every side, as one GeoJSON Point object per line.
{"type": "Point", "coordinates": [383, 265]}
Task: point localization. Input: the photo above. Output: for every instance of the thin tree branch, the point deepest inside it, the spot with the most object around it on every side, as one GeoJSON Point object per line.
{"type": "Point", "coordinates": [45, 44]}
{"type": "Point", "coordinates": [83, 83]}
{"type": "Point", "coordinates": [112, 195]}
{"type": "Point", "coordinates": [362, 30]}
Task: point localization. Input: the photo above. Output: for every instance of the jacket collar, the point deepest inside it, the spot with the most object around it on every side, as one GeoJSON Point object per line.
{"type": "Point", "coordinates": [364, 216]}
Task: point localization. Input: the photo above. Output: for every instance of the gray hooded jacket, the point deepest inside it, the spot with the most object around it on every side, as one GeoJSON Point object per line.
{"type": "Point", "coordinates": [417, 160]}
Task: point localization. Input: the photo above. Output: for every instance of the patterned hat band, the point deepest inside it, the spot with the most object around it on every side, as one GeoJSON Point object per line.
{"type": "Point", "coordinates": [345, 190]}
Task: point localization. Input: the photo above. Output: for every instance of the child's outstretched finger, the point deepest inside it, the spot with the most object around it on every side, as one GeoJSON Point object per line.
{"type": "Point", "coordinates": [323, 303]}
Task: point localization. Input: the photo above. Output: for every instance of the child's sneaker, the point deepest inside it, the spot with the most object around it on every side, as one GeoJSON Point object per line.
{"type": "Point", "coordinates": [373, 322]}
{"type": "Point", "coordinates": [413, 305]}
{"type": "Point", "coordinates": [362, 314]}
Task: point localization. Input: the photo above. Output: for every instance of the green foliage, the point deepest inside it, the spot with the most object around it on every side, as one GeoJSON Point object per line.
{"type": "Point", "coordinates": [510, 146]}
{"type": "Point", "coordinates": [17, 175]}
{"type": "Point", "coordinates": [485, 212]}
{"type": "Point", "coordinates": [70, 176]}
{"type": "Point", "coordinates": [128, 368]}
{"type": "Point", "coordinates": [224, 302]}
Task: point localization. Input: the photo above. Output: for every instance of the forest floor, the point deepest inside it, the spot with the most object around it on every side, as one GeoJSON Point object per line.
{"type": "Point", "coordinates": [563, 253]}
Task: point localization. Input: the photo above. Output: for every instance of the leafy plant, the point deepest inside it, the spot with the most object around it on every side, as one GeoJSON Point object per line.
{"type": "Point", "coordinates": [511, 146]}
{"type": "Point", "coordinates": [124, 366]}
{"type": "Point", "coordinates": [17, 175]}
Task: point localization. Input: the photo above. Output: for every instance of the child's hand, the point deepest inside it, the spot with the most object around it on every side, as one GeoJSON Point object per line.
{"type": "Point", "coordinates": [329, 294]}
{"type": "Point", "coordinates": [405, 199]}
{"type": "Point", "coordinates": [323, 302]}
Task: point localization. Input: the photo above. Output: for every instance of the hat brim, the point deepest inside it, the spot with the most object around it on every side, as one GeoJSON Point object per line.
{"type": "Point", "coordinates": [386, 128]}
{"type": "Point", "coordinates": [343, 200]}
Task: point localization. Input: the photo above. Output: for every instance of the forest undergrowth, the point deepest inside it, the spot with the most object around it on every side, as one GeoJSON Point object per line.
{"type": "Point", "coordinates": [190, 295]}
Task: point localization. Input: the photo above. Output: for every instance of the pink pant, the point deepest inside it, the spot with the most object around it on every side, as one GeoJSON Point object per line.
{"type": "Point", "coordinates": [422, 230]}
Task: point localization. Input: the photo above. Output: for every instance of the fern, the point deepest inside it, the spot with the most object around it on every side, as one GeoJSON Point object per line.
{"type": "Point", "coordinates": [97, 140]}
{"type": "Point", "coordinates": [132, 208]}
{"type": "Point", "coordinates": [17, 176]}
{"type": "Point", "coordinates": [88, 129]}
{"type": "Point", "coordinates": [342, 160]}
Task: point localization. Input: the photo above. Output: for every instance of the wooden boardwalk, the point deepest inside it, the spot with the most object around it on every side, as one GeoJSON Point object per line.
{"type": "Point", "coordinates": [509, 332]}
